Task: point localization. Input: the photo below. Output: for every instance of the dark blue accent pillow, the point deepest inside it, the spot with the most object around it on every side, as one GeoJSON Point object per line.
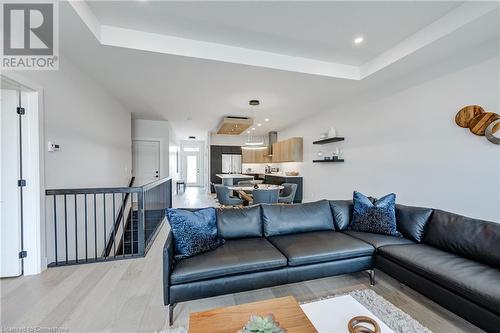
{"type": "Point", "coordinates": [377, 217]}
{"type": "Point", "coordinates": [194, 231]}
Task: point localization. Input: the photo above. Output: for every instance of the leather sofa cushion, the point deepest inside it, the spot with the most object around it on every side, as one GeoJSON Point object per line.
{"type": "Point", "coordinates": [234, 257]}
{"type": "Point", "coordinates": [320, 246]}
{"type": "Point", "coordinates": [342, 211]}
{"type": "Point", "coordinates": [470, 279]}
{"type": "Point", "coordinates": [378, 240]}
{"type": "Point", "coordinates": [412, 221]}
{"type": "Point", "coordinates": [475, 239]}
{"type": "Point", "coordinates": [239, 222]}
{"type": "Point", "coordinates": [291, 219]}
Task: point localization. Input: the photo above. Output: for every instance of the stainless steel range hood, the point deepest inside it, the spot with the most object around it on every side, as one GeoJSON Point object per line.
{"type": "Point", "coordinates": [272, 137]}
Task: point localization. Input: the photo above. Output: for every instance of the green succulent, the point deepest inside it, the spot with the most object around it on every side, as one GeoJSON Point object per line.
{"type": "Point", "coordinates": [258, 324]}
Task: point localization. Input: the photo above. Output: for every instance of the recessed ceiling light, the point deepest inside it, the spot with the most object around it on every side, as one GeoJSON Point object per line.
{"type": "Point", "coordinates": [266, 120]}
{"type": "Point", "coordinates": [248, 132]}
{"type": "Point", "coordinates": [253, 128]}
{"type": "Point", "coordinates": [358, 40]}
{"type": "Point", "coordinates": [259, 124]}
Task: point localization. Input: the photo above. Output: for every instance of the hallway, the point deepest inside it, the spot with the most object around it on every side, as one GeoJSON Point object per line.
{"type": "Point", "coordinates": [194, 197]}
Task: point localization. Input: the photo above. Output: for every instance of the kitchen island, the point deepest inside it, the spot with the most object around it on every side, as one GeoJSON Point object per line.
{"type": "Point", "coordinates": [229, 179]}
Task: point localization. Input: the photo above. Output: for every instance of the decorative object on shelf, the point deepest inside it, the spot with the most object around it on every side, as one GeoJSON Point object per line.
{"type": "Point", "coordinates": [479, 122]}
{"type": "Point", "coordinates": [332, 132]}
{"type": "Point", "coordinates": [336, 153]}
{"type": "Point", "coordinates": [320, 154]}
{"type": "Point", "coordinates": [292, 173]}
{"type": "Point", "coordinates": [354, 325]}
{"type": "Point", "coordinates": [492, 132]}
{"type": "Point", "coordinates": [323, 136]}
{"type": "Point", "coordinates": [266, 324]}
{"type": "Point", "coordinates": [465, 115]}
{"type": "Point", "coordinates": [328, 158]}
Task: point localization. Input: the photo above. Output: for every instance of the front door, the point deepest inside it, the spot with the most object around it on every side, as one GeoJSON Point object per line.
{"type": "Point", "coordinates": [192, 169]}
{"type": "Point", "coordinates": [146, 161]}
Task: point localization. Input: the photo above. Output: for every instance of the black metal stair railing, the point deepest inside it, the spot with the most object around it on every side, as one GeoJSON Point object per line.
{"type": "Point", "coordinates": [99, 224]}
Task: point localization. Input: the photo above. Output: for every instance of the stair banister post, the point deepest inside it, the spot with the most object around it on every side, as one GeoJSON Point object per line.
{"type": "Point", "coordinates": [140, 223]}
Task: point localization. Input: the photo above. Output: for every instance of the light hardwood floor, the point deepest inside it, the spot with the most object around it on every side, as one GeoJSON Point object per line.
{"type": "Point", "coordinates": [126, 296]}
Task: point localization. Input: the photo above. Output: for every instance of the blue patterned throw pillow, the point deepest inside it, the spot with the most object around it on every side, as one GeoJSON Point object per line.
{"type": "Point", "coordinates": [377, 217]}
{"type": "Point", "coordinates": [194, 231]}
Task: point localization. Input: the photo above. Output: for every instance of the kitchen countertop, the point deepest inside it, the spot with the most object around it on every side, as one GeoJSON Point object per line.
{"type": "Point", "coordinates": [232, 175]}
{"type": "Point", "coordinates": [276, 174]}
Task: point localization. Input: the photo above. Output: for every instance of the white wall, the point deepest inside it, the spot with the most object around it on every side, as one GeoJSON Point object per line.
{"type": "Point", "coordinates": [94, 131]}
{"type": "Point", "coordinates": [155, 130]}
{"type": "Point", "coordinates": [405, 141]}
{"type": "Point", "coordinates": [92, 128]}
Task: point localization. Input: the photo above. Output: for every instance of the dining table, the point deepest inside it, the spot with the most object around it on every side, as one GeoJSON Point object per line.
{"type": "Point", "coordinates": [244, 191]}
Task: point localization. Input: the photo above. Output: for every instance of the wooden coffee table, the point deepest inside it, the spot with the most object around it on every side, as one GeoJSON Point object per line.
{"type": "Point", "coordinates": [230, 319]}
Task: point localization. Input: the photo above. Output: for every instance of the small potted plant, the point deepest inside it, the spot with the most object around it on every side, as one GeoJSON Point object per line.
{"type": "Point", "coordinates": [265, 324]}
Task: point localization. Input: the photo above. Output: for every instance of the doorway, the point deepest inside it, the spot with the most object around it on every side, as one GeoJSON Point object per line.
{"type": "Point", "coordinates": [20, 200]}
{"type": "Point", "coordinates": [145, 161]}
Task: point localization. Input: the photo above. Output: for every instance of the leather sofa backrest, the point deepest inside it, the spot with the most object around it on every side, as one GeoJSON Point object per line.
{"type": "Point", "coordinates": [342, 213]}
{"type": "Point", "coordinates": [292, 219]}
{"type": "Point", "coordinates": [412, 221]}
{"type": "Point", "coordinates": [475, 239]}
{"type": "Point", "coordinates": [239, 222]}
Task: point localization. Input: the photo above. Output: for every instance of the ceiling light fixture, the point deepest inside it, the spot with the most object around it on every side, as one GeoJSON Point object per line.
{"type": "Point", "coordinates": [259, 124]}
{"type": "Point", "coordinates": [358, 40]}
{"type": "Point", "coordinates": [254, 102]}
{"type": "Point", "coordinates": [253, 128]}
{"type": "Point", "coordinates": [266, 120]}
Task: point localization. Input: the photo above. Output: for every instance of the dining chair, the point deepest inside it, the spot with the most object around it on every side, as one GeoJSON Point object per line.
{"type": "Point", "coordinates": [288, 193]}
{"type": "Point", "coordinates": [265, 196]}
{"type": "Point", "coordinates": [224, 196]}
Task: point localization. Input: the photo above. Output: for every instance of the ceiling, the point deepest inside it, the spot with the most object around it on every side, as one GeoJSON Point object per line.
{"type": "Point", "coordinates": [317, 30]}
{"type": "Point", "coordinates": [194, 93]}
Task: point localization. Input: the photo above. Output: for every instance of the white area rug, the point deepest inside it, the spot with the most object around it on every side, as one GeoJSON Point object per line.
{"type": "Point", "coordinates": [393, 317]}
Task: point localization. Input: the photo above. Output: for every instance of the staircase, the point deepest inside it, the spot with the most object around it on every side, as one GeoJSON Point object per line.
{"type": "Point", "coordinates": [98, 224]}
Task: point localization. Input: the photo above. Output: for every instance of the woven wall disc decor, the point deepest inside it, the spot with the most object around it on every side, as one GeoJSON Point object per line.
{"type": "Point", "coordinates": [477, 120]}
{"type": "Point", "coordinates": [492, 132]}
{"type": "Point", "coordinates": [465, 115]}
{"type": "Point", "coordinates": [479, 123]}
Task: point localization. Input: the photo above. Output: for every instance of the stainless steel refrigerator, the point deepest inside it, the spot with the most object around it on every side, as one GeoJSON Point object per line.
{"type": "Point", "coordinates": [231, 163]}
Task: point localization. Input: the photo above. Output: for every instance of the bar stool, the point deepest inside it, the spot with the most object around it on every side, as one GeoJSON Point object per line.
{"type": "Point", "coordinates": [181, 183]}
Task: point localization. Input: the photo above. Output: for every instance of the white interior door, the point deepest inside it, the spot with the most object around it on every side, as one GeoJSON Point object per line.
{"type": "Point", "coordinates": [10, 208]}
{"type": "Point", "coordinates": [193, 164]}
{"type": "Point", "coordinates": [146, 161]}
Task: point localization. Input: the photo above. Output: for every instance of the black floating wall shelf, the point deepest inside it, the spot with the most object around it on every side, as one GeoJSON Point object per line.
{"type": "Point", "coordinates": [321, 161]}
{"type": "Point", "coordinates": [329, 140]}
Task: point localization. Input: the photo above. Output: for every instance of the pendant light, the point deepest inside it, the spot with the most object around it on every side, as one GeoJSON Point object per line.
{"type": "Point", "coordinates": [253, 141]}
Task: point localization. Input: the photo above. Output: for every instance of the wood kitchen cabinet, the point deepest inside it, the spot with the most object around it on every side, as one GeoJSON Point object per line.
{"type": "Point", "coordinates": [255, 155]}
{"type": "Point", "coordinates": [290, 150]}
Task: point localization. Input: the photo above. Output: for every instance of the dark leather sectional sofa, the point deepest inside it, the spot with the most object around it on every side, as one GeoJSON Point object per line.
{"type": "Point", "coordinates": [451, 259]}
